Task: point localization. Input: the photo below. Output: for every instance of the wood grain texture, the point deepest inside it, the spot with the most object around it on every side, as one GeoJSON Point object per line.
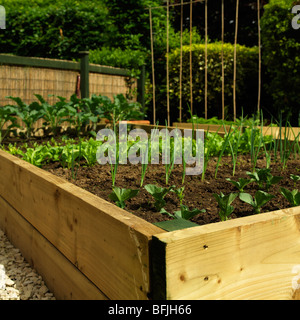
{"type": "Point", "coordinates": [107, 244]}
{"type": "Point", "coordinates": [64, 280]}
{"type": "Point", "coordinates": [254, 257]}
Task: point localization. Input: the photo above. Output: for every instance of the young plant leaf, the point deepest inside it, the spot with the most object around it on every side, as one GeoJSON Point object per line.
{"type": "Point", "coordinates": [241, 183]}
{"type": "Point", "coordinates": [119, 196]}
{"type": "Point", "coordinates": [224, 202]}
{"type": "Point", "coordinates": [292, 196]}
{"type": "Point", "coordinates": [259, 200]}
{"type": "Point", "coordinates": [158, 194]}
{"type": "Point", "coordinates": [184, 213]}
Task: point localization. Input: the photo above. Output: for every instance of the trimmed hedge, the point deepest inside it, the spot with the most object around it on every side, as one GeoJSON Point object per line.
{"type": "Point", "coordinates": [53, 30]}
{"type": "Point", "coordinates": [281, 58]}
{"type": "Point", "coordinates": [246, 85]}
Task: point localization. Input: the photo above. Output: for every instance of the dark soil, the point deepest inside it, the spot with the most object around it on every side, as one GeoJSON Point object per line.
{"type": "Point", "coordinates": [198, 194]}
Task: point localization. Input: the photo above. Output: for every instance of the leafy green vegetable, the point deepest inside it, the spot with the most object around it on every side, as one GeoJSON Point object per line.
{"type": "Point", "coordinates": [29, 114]}
{"type": "Point", "coordinates": [259, 200]}
{"type": "Point", "coordinates": [7, 117]}
{"type": "Point", "coordinates": [295, 178]}
{"type": "Point", "coordinates": [179, 193]}
{"type": "Point", "coordinates": [183, 213]}
{"type": "Point", "coordinates": [224, 202]}
{"type": "Point", "coordinates": [292, 196]}
{"type": "Point", "coordinates": [119, 196]}
{"type": "Point", "coordinates": [241, 183]}
{"type": "Point", "coordinates": [158, 194]}
{"type": "Point", "coordinates": [264, 178]}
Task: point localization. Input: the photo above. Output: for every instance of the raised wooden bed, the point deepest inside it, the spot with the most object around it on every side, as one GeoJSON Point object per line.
{"type": "Point", "coordinates": [87, 248]}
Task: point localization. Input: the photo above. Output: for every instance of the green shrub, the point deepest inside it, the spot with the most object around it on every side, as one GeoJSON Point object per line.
{"type": "Point", "coordinates": [281, 47]}
{"type": "Point", "coordinates": [247, 69]}
{"type": "Point", "coordinates": [129, 59]}
{"type": "Point", "coordinates": [54, 31]}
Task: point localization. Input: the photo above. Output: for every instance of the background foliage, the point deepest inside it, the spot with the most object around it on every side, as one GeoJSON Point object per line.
{"type": "Point", "coordinates": [117, 33]}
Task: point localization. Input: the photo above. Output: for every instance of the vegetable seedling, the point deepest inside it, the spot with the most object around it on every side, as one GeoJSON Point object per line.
{"type": "Point", "coordinates": [293, 197]}
{"type": "Point", "coordinates": [158, 193]}
{"type": "Point", "coordinates": [224, 202]}
{"type": "Point", "coordinates": [259, 200]}
{"type": "Point", "coordinates": [184, 213]}
{"type": "Point", "coordinates": [179, 193]}
{"type": "Point", "coordinates": [241, 183]}
{"type": "Point", "coordinates": [264, 178]}
{"type": "Point", "coordinates": [295, 178]}
{"type": "Point", "coordinates": [119, 196]}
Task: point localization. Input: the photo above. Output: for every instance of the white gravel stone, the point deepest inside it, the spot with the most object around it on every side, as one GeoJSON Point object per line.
{"type": "Point", "coordinates": [18, 281]}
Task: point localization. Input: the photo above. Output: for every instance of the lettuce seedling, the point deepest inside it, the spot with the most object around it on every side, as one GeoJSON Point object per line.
{"type": "Point", "coordinates": [241, 183]}
{"type": "Point", "coordinates": [158, 193]}
{"type": "Point", "coordinates": [259, 200]}
{"type": "Point", "coordinates": [119, 196]}
{"type": "Point", "coordinates": [224, 202]}
{"type": "Point", "coordinates": [292, 196]}
{"type": "Point", "coordinates": [184, 213]}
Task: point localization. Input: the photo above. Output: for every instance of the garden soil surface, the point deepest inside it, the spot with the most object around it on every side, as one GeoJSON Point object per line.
{"type": "Point", "coordinates": [197, 194]}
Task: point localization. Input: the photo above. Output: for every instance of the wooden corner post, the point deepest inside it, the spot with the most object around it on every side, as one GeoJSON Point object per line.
{"type": "Point", "coordinates": [84, 74]}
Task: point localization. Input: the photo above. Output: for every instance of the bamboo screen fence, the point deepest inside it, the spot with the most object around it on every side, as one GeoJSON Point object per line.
{"type": "Point", "coordinates": [24, 77]}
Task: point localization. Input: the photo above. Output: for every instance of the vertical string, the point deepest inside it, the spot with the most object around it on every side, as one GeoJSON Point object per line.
{"type": "Point", "coordinates": [205, 89]}
{"type": "Point", "coordinates": [180, 72]}
{"type": "Point", "coordinates": [168, 83]}
{"type": "Point", "coordinates": [234, 60]}
{"type": "Point", "coordinates": [153, 71]}
{"type": "Point", "coordinates": [222, 57]}
{"type": "Point", "coordinates": [259, 56]}
{"type": "Point", "coordinates": [191, 59]}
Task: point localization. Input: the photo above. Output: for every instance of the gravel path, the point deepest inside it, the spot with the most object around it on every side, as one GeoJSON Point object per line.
{"type": "Point", "coordinates": [18, 281]}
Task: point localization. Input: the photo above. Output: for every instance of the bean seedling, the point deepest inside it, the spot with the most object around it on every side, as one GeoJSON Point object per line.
{"type": "Point", "coordinates": [184, 213]}
{"type": "Point", "coordinates": [259, 200]}
{"type": "Point", "coordinates": [241, 183]}
{"type": "Point", "coordinates": [158, 194]}
{"type": "Point", "coordinates": [224, 202]}
{"type": "Point", "coordinates": [119, 196]}
{"type": "Point", "coordinates": [292, 196]}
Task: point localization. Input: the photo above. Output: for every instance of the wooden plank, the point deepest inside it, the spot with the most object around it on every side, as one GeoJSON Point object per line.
{"type": "Point", "coordinates": [109, 245]}
{"type": "Point", "coordinates": [209, 127]}
{"type": "Point", "coordinates": [63, 279]}
{"type": "Point", "coordinates": [6, 59]}
{"type": "Point", "coordinates": [256, 257]}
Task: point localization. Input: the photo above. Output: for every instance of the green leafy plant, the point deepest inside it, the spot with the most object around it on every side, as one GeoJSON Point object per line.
{"type": "Point", "coordinates": [7, 118]}
{"type": "Point", "coordinates": [36, 156]}
{"type": "Point", "coordinates": [224, 203]}
{"type": "Point", "coordinates": [179, 193]}
{"type": "Point", "coordinates": [29, 114]}
{"type": "Point", "coordinates": [54, 115]}
{"type": "Point", "coordinates": [241, 183]}
{"type": "Point", "coordinates": [295, 178]}
{"type": "Point", "coordinates": [258, 201]}
{"type": "Point", "coordinates": [120, 195]}
{"type": "Point", "coordinates": [264, 178]}
{"type": "Point", "coordinates": [78, 116]}
{"type": "Point", "coordinates": [183, 213]}
{"type": "Point", "coordinates": [158, 194]}
{"type": "Point", "coordinates": [292, 196]}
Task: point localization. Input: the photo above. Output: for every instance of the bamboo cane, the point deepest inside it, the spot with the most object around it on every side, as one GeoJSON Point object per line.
{"type": "Point", "coordinates": [153, 71]}
{"type": "Point", "coordinates": [234, 59]}
{"type": "Point", "coordinates": [222, 58]}
{"type": "Point", "coordinates": [259, 56]}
